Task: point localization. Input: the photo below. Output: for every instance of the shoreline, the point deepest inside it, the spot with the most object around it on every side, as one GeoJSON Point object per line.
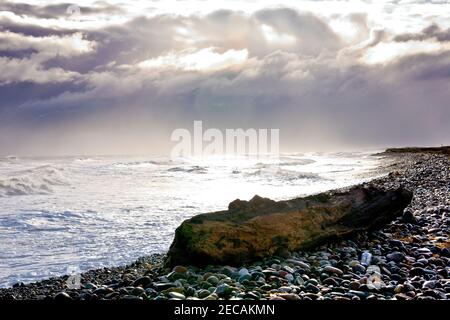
{"type": "Point", "coordinates": [332, 271]}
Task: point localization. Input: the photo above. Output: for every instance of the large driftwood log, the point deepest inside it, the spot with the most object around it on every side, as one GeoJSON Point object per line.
{"type": "Point", "coordinates": [259, 228]}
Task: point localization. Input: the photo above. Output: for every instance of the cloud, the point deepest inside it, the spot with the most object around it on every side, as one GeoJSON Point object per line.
{"type": "Point", "coordinates": [52, 11]}
{"type": "Point", "coordinates": [24, 70]}
{"type": "Point", "coordinates": [385, 52]}
{"type": "Point", "coordinates": [41, 49]}
{"type": "Point", "coordinates": [206, 59]}
{"type": "Point", "coordinates": [66, 46]}
{"type": "Point", "coordinates": [432, 32]}
{"type": "Point", "coordinates": [325, 79]}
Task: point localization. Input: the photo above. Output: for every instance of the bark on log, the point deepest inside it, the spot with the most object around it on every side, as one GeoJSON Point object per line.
{"type": "Point", "coordinates": [259, 228]}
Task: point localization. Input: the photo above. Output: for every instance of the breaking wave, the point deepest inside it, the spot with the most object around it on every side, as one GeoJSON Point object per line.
{"type": "Point", "coordinates": [189, 169]}
{"type": "Point", "coordinates": [275, 172]}
{"type": "Point", "coordinates": [294, 161]}
{"type": "Point", "coordinates": [40, 180]}
{"type": "Point", "coordinates": [144, 164]}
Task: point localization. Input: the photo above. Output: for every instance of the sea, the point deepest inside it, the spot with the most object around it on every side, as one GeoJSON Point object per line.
{"type": "Point", "coordinates": [79, 213]}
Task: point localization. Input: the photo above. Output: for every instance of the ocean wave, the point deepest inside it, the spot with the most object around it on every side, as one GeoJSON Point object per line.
{"type": "Point", "coordinates": [40, 180]}
{"type": "Point", "coordinates": [189, 169]}
{"type": "Point", "coordinates": [296, 162]}
{"type": "Point", "coordinates": [275, 172]}
{"type": "Point", "coordinates": [287, 161]}
{"type": "Point", "coordinates": [9, 159]}
{"type": "Point", "coordinates": [83, 160]}
{"type": "Point", "coordinates": [43, 220]}
{"type": "Point", "coordinates": [143, 164]}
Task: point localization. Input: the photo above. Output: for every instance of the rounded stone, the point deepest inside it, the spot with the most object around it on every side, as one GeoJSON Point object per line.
{"type": "Point", "coordinates": [223, 290]}
{"type": "Point", "coordinates": [395, 256]}
{"type": "Point", "coordinates": [137, 291]}
{"type": "Point", "coordinates": [245, 277]}
{"type": "Point", "coordinates": [213, 280]}
{"type": "Point", "coordinates": [62, 296]}
{"type": "Point", "coordinates": [353, 263]}
{"type": "Point", "coordinates": [142, 281]}
{"type": "Point", "coordinates": [203, 293]}
{"type": "Point", "coordinates": [176, 295]}
{"type": "Point", "coordinates": [429, 284]}
{"type": "Point", "coordinates": [354, 285]}
{"type": "Point", "coordinates": [90, 286]}
{"type": "Point", "coordinates": [243, 271]}
{"type": "Point", "coordinates": [399, 288]}
{"type": "Point", "coordinates": [289, 277]}
{"type": "Point", "coordinates": [212, 296]}
{"type": "Point", "coordinates": [358, 268]}
{"type": "Point", "coordinates": [330, 269]}
{"type": "Point", "coordinates": [312, 288]}
{"type": "Point", "coordinates": [408, 216]}
{"type": "Point", "coordinates": [180, 269]}
{"type": "Point", "coordinates": [330, 282]}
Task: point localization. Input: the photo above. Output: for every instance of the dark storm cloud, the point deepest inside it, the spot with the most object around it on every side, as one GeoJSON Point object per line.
{"type": "Point", "coordinates": [431, 32]}
{"type": "Point", "coordinates": [7, 24]}
{"type": "Point", "coordinates": [16, 54]}
{"type": "Point", "coordinates": [299, 74]}
{"type": "Point", "coordinates": [54, 11]}
{"type": "Point", "coordinates": [426, 68]}
{"type": "Point", "coordinates": [143, 38]}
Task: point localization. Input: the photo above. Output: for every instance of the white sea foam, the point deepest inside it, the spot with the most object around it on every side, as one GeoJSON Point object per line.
{"type": "Point", "coordinates": [39, 180]}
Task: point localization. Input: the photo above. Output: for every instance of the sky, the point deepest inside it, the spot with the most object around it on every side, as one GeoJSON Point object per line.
{"type": "Point", "coordinates": [117, 77]}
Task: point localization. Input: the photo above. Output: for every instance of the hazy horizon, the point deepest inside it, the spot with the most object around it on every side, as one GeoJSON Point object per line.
{"type": "Point", "coordinates": [113, 77]}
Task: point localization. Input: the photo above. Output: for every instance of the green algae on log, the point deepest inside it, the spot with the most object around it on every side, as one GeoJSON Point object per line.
{"type": "Point", "coordinates": [260, 228]}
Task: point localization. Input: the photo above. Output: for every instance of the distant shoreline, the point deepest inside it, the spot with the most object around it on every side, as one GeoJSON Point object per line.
{"type": "Point", "coordinates": [426, 150]}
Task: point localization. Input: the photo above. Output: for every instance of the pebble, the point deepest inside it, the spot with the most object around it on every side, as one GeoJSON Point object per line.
{"type": "Point", "coordinates": [399, 288]}
{"type": "Point", "coordinates": [90, 286]}
{"type": "Point", "coordinates": [163, 286]}
{"type": "Point", "coordinates": [408, 216]}
{"type": "Point", "coordinates": [180, 269]}
{"type": "Point", "coordinates": [353, 263]}
{"type": "Point", "coordinates": [203, 293]}
{"type": "Point", "coordinates": [429, 284]}
{"type": "Point", "coordinates": [103, 291]}
{"type": "Point", "coordinates": [223, 290]}
{"type": "Point", "coordinates": [176, 295]}
{"type": "Point", "coordinates": [395, 256]}
{"type": "Point", "coordinates": [289, 296]}
{"type": "Point", "coordinates": [243, 272]}
{"type": "Point", "coordinates": [330, 269]}
{"type": "Point", "coordinates": [312, 288]}
{"type": "Point", "coordinates": [62, 296]}
{"type": "Point", "coordinates": [142, 281]}
{"type": "Point", "coordinates": [289, 277]}
{"type": "Point", "coordinates": [245, 277]}
{"type": "Point", "coordinates": [213, 280]}
{"type": "Point", "coordinates": [137, 291]}
{"type": "Point", "coordinates": [330, 282]}
{"type": "Point", "coordinates": [299, 263]}
{"type": "Point", "coordinates": [212, 296]}
{"type": "Point", "coordinates": [358, 268]}
{"type": "Point", "coordinates": [354, 285]}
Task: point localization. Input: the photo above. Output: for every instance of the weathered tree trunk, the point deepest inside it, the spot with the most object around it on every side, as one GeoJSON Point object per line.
{"type": "Point", "coordinates": [255, 229]}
